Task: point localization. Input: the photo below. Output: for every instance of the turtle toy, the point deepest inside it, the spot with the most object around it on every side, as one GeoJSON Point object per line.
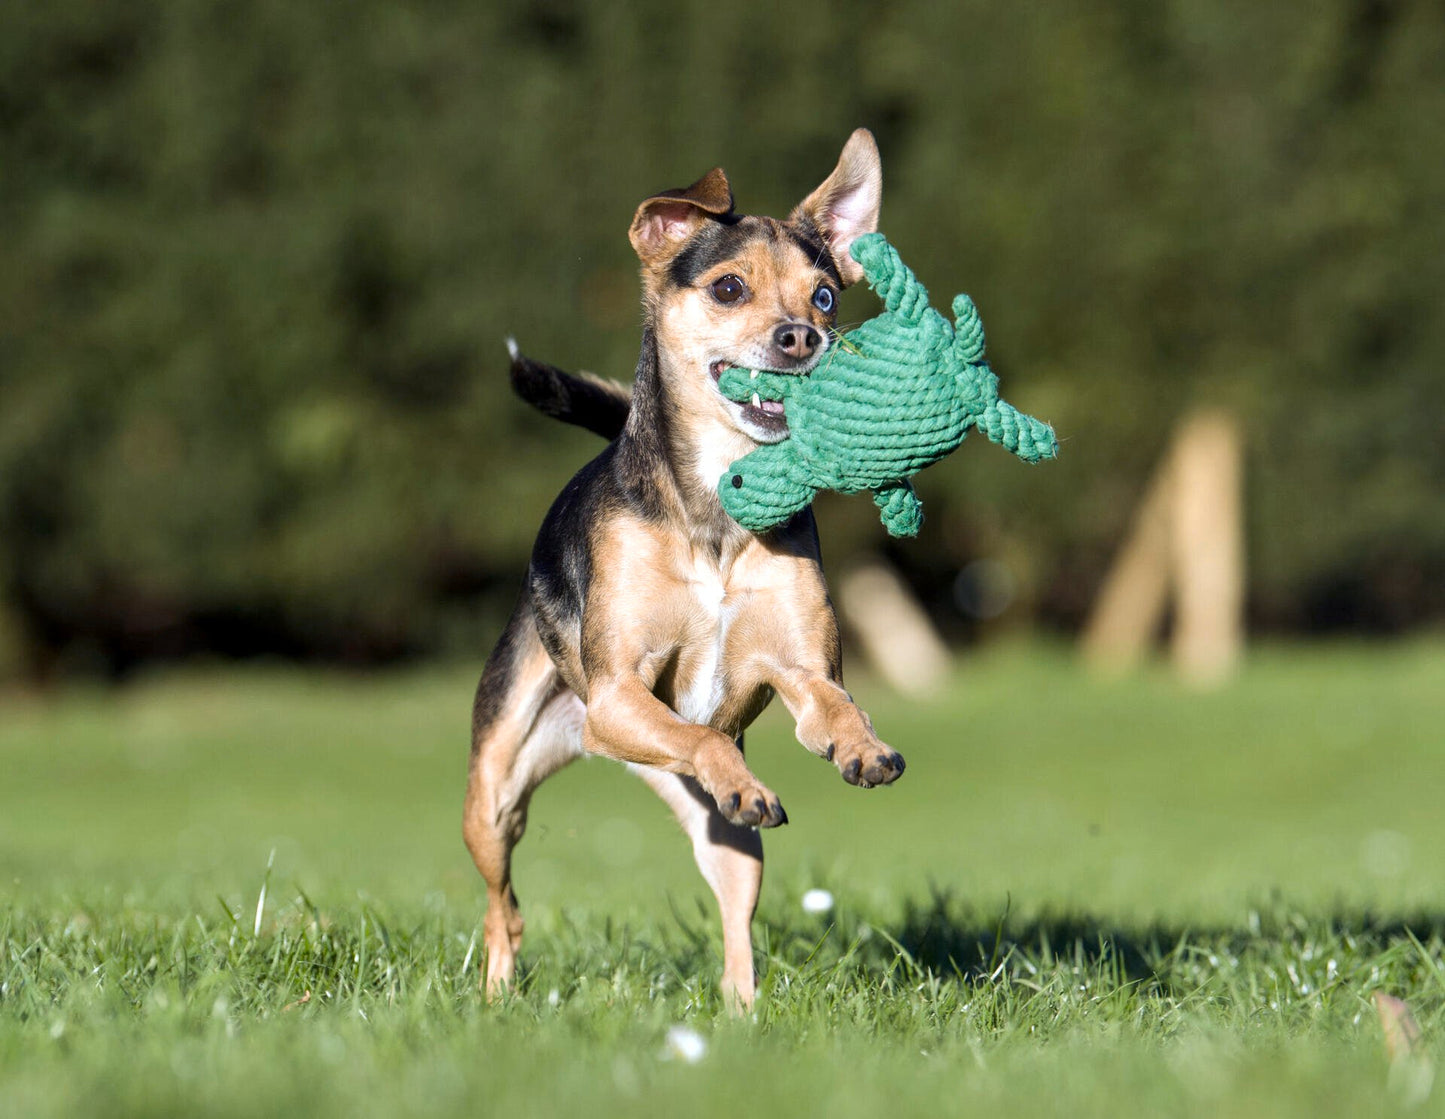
{"type": "Point", "coordinates": [894, 395]}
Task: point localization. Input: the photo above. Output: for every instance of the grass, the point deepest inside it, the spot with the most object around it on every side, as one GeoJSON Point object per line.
{"type": "Point", "coordinates": [245, 892]}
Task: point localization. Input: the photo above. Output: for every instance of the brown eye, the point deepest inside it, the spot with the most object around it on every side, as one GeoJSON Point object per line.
{"type": "Point", "coordinates": [729, 289]}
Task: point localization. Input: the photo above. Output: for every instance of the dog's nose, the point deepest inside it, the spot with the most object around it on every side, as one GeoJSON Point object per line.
{"type": "Point", "coordinates": [797, 339]}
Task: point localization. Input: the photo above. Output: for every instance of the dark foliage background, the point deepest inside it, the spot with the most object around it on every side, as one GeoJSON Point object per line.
{"type": "Point", "coordinates": [259, 259]}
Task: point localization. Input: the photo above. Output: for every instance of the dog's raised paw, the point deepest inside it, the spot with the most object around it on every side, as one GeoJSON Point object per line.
{"type": "Point", "coordinates": [758, 809]}
{"type": "Point", "coordinates": [877, 766]}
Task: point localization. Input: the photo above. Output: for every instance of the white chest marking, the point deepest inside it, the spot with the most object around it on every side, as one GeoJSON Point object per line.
{"type": "Point", "coordinates": [702, 694]}
{"type": "Point", "coordinates": [717, 449]}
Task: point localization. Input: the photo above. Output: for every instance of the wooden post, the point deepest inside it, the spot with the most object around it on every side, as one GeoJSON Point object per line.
{"type": "Point", "coordinates": [1188, 538]}
{"type": "Point", "coordinates": [898, 639]}
{"type": "Point", "coordinates": [1130, 607]}
{"type": "Point", "coordinates": [1207, 541]}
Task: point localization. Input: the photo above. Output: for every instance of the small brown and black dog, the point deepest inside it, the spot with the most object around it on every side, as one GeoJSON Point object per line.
{"type": "Point", "coordinates": [653, 628]}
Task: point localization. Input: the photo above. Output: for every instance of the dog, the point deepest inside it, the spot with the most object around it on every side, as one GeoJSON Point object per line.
{"type": "Point", "coordinates": [652, 628]}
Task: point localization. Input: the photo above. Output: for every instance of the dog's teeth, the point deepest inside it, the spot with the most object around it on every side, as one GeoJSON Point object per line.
{"type": "Point", "coordinates": [754, 375]}
{"type": "Point", "coordinates": [757, 403]}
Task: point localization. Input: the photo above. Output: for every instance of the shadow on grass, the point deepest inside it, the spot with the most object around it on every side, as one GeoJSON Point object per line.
{"type": "Point", "coordinates": [949, 939]}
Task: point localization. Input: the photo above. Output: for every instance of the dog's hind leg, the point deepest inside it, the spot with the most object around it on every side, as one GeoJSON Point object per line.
{"type": "Point", "coordinates": [731, 859]}
{"type": "Point", "coordinates": [526, 725]}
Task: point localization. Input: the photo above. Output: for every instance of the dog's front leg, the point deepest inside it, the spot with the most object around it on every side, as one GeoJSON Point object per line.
{"type": "Point", "coordinates": [625, 721]}
{"type": "Point", "coordinates": [832, 726]}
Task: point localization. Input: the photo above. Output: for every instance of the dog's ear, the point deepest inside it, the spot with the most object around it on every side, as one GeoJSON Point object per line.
{"type": "Point", "coordinates": [845, 206]}
{"type": "Point", "coordinates": [666, 220]}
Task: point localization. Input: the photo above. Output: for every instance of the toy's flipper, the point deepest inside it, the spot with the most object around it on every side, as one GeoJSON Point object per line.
{"type": "Point", "coordinates": [892, 280]}
{"type": "Point", "coordinates": [1025, 436]}
{"type": "Point", "coordinates": [899, 509]}
{"type": "Point", "coordinates": [765, 488]}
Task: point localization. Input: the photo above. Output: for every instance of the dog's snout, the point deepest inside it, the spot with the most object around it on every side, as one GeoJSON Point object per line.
{"type": "Point", "coordinates": [797, 340]}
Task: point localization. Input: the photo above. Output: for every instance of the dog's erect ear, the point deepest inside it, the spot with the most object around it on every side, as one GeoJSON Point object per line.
{"type": "Point", "coordinates": [846, 205]}
{"type": "Point", "coordinates": [666, 220]}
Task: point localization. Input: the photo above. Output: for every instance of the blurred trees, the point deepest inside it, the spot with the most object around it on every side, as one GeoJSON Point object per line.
{"type": "Point", "coordinates": [259, 259]}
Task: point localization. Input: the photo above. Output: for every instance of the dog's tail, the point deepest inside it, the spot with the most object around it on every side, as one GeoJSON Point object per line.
{"type": "Point", "coordinates": [583, 399]}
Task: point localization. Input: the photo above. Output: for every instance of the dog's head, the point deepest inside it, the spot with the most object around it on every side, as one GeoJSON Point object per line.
{"type": "Point", "coordinates": [723, 289]}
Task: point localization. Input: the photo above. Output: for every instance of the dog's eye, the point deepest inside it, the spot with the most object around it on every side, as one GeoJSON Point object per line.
{"type": "Point", "coordinates": [824, 299]}
{"type": "Point", "coordinates": [729, 289]}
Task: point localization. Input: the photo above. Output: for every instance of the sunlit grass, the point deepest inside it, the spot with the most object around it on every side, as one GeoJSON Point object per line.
{"type": "Point", "coordinates": [1082, 899]}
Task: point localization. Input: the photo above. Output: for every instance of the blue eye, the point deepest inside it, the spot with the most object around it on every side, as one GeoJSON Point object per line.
{"type": "Point", "coordinates": [823, 299]}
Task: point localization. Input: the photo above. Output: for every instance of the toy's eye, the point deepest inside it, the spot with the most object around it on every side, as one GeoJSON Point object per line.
{"type": "Point", "coordinates": [729, 289]}
{"type": "Point", "coordinates": [824, 299]}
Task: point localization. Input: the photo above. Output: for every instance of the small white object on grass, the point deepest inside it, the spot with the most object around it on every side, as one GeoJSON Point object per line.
{"type": "Point", "coordinates": [817, 901]}
{"type": "Point", "coordinates": [684, 1043]}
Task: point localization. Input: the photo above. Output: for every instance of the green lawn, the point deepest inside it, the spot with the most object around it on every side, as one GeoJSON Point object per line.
{"type": "Point", "coordinates": [1081, 899]}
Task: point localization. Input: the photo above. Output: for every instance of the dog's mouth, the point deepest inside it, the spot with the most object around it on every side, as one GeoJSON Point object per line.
{"type": "Point", "coordinates": [765, 417]}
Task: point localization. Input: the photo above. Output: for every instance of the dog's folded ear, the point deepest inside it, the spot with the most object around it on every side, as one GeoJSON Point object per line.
{"type": "Point", "coordinates": [845, 206]}
{"type": "Point", "coordinates": [666, 220]}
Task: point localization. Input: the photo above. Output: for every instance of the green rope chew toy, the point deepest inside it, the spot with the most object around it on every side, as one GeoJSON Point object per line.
{"type": "Point", "coordinates": [891, 397]}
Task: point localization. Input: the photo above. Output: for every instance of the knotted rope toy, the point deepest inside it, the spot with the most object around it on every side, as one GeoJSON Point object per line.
{"type": "Point", "coordinates": [891, 397]}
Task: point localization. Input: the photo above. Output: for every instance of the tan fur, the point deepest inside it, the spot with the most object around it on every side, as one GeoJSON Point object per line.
{"type": "Point", "coordinates": [539, 733]}
{"type": "Point", "coordinates": [691, 623]}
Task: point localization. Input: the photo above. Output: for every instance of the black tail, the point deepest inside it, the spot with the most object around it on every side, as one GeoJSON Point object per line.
{"type": "Point", "coordinates": [583, 399]}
